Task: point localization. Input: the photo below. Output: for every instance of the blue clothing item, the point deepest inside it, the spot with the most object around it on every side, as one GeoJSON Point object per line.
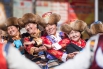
{"type": "Point", "coordinates": [49, 56]}
{"type": "Point", "coordinates": [41, 53]}
{"type": "Point", "coordinates": [18, 44]}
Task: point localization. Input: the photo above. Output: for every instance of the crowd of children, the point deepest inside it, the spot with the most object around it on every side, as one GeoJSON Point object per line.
{"type": "Point", "coordinates": [43, 46]}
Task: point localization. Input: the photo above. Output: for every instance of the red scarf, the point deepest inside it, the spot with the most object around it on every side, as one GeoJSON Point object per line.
{"type": "Point", "coordinates": [81, 44]}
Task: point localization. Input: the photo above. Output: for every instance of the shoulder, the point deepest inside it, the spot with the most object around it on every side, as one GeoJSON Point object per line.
{"type": "Point", "coordinates": [25, 35]}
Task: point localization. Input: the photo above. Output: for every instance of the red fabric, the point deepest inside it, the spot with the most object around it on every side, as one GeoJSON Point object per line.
{"type": "Point", "coordinates": [58, 54]}
{"type": "Point", "coordinates": [81, 44]}
{"type": "Point", "coordinates": [3, 64]}
{"type": "Point", "coordinates": [64, 42]}
{"type": "Point", "coordinates": [46, 41]}
{"type": "Point", "coordinates": [28, 47]}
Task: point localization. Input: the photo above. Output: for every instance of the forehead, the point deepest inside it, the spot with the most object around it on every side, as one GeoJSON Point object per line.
{"type": "Point", "coordinates": [50, 25]}
{"type": "Point", "coordinates": [74, 31]}
{"type": "Point", "coordinates": [30, 24]}
{"type": "Point", "coordinates": [12, 26]}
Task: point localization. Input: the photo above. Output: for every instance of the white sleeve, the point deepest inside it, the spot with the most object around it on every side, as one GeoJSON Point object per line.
{"type": "Point", "coordinates": [56, 46]}
{"type": "Point", "coordinates": [17, 61]}
{"type": "Point", "coordinates": [80, 61]}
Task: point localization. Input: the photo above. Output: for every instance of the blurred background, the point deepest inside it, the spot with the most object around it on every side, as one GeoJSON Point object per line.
{"type": "Point", "coordinates": [86, 10]}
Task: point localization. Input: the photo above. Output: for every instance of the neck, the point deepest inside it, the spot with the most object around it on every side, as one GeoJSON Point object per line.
{"type": "Point", "coordinates": [16, 36]}
{"type": "Point", "coordinates": [54, 34]}
{"type": "Point", "coordinates": [36, 33]}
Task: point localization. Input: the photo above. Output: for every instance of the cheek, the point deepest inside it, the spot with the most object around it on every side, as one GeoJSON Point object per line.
{"type": "Point", "coordinates": [26, 27]}
{"type": "Point", "coordinates": [54, 29]}
{"type": "Point", "coordinates": [16, 30]}
{"type": "Point", "coordinates": [70, 36]}
{"type": "Point", "coordinates": [78, 34]}
{"type": "Point", "coordinates": [33, 27]}
{"type": "Point", "coordinates": [46, 28]}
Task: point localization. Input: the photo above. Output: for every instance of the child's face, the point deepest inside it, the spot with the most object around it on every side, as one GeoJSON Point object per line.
{"type": "Point", "coordinates": [74, 35]}
{"type": "Point", "coordinates": [12, 30]}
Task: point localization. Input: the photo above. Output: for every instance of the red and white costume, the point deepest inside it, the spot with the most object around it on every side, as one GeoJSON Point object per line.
{"type": "Point", "coordinates": [81, 44]}
{"type": "Point", "coordinates": [91, 56]}
{"type": "Point", "coordinates": [58, 44]}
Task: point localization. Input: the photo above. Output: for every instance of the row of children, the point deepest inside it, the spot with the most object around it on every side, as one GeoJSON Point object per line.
{"type": "Point", "coordinates": [44, 45]}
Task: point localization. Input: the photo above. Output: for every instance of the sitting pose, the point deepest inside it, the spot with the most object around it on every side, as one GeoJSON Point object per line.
{"type": "Point", "coordinates": [14, 35]}
{"type": "Point", "coordinates": [74, 31]}
{"type": "Point", "coordinates": [92, 55]}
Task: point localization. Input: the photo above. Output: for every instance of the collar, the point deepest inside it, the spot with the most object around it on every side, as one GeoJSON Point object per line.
{"type": "Point", "coordinates": [81, 44]}
{"type": "Point", "coordinates": [16, 37]}
{"type": "Point", "coordinates": [57, 37]}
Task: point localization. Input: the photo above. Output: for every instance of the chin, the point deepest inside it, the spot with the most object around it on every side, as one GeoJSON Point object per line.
{"type": "Point", "coordinates": [29, 32]}
{"type": "Point", "coordinates": [12, 35]}
{"type": "Point", "coordinates": [76, 40]}
{"type": "Point", "coordinates": [51, 34]}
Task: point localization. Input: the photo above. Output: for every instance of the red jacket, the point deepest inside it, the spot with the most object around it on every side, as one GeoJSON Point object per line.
{"type": "Point", "coordinates": [57, 53]}
{"type": "Point", "coordinates": [82, 44]}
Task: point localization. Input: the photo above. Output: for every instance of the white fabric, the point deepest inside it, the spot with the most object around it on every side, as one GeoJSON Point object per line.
{"type": "Point", "coordinates": [99, 57]}
{"type": "Point", "coordinates": [81, 60]}
{"type": "Point", "coordinates": [56, 46]}
{"type": "Point", "coordinates": [64, 56]}
{"type": "Point", "coordinates": [17, 61]}
{"type": "Point", "coordinates": [57, 38]}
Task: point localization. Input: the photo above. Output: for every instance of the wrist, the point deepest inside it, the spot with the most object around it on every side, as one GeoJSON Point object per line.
{"type": "Point", "coordinates": [33, 42]}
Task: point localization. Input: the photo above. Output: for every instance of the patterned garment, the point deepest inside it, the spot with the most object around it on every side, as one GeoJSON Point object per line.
{"type": "Point", "coordinates": [81, 44]}
{"type": "Point", "coordinates": [58, 44]}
